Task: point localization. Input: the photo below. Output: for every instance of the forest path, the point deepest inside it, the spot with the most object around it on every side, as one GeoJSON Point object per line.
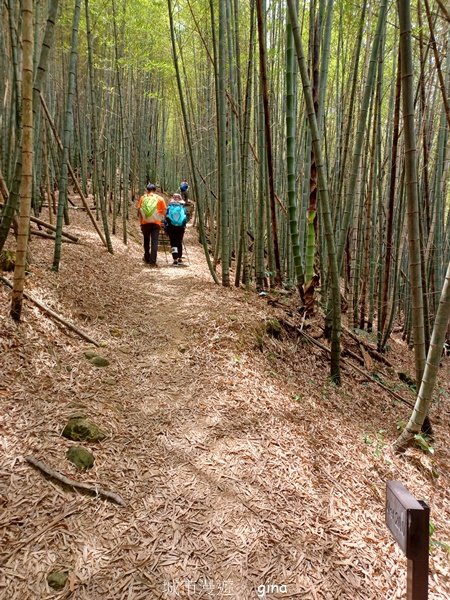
{"type": "Point", "coordinates": [243, 476]}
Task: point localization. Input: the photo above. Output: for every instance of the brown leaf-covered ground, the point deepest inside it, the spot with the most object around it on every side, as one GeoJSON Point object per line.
{"type": "Point", "coordinates": [246, 473]}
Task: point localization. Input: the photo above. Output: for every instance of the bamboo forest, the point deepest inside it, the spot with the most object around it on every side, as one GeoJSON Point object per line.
{"type": "Point", "coordinates": [224, 299]}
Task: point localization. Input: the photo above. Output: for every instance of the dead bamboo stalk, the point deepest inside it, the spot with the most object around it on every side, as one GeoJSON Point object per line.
{"type": "Point", "coordinates": [33, 219]}
{"type": "Point", "coordinates": [72, 174]}
{"type": "Point", "coordinates": [85, 487]}
{"type": "Point", "coordinates": [52, 313]}
{"type": "Point", "coordinates": [370, 349]}
{"type": "Point", "coordinates": [70, 236]}
{"type": "Point", "coordinates": [357, 369]}
{"type": "Point", "coordinates": [48, 236]}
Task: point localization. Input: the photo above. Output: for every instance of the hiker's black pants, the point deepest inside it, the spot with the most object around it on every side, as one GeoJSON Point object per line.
{"type": "Point", "coordinates": [176, 240]}
{"type": "Point", "coordinates": [150, 231]}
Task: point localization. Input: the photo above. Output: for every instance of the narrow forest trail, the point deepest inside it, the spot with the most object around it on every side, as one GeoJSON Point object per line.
{"type": "Point", "coordinates": [241, 466]}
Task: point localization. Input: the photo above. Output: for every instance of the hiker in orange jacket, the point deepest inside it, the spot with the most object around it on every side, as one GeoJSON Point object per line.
{"type": "Point", "coordinates": [151, 210]}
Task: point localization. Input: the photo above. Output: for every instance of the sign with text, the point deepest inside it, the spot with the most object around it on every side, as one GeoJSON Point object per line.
{"type": "Point", "coordinates": [408, 521]}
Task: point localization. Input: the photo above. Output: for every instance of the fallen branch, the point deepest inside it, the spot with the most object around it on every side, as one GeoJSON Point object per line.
{"type": "Point", "coordinates": [50, 312]}
{"type": "Point", "coordinates": [358, 370]}
{"type": "Point", "coordinates": [48, 236]}
{"type": "Point", "coordinates": [370, 349]}
{"type": "Point", "coordinates": [347, 352]}
{"type": "Point", "coordinates": [90, 489]}
{"type": "Point", "coordinates": [70, 236]}
{"type": "Point", "coordinates": [368, 364]}
{"type": "Point", "coordinates": [33, 219]}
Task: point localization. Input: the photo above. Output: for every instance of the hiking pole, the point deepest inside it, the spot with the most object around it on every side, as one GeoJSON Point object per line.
{"type": "Point", "coordinates": [187, 255]}
{"type": "Point", "coordinates": [163, 238]}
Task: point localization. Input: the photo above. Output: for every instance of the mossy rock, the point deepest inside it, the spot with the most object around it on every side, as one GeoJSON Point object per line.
{"type": "Point", "coordinates": [99, 361]}
{"type": "Point", "coordinates": [89, 354]}
{"type": "Point", "coordinates": [79, 428]}
{"type": "Point", "coordinates": [407, 379]}
{"type": "Point", "coordinates": [110, 381]}
{"type": "Point", "coordinates": [57, 579]}
{"type": "Point", "coordinates": [116, 332]}
{"type": "Point", "coordinates": [80, 457]}
{"type": "Point", "coordinates": [273, 328]}
{"type": "Point", "coordinates": [7, 260]}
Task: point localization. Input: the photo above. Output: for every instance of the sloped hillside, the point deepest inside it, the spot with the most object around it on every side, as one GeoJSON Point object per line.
{"type": "Point", "coordinates": [245, 473]}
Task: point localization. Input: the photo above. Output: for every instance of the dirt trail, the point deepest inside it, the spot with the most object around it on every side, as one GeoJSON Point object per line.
{"type": "Point", "coordinates": [242, 474]}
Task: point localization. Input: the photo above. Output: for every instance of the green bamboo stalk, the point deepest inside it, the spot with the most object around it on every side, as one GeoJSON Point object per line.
{"type": "Point", "coordinates": [191, 153]}
{"type": "Point", "coordinates": [415, 261]}
{"type": "Point", "coordinates": [323, 190]}
{"type": "Point", "coordinates": [428, 381]}
{"type": "Point", "coordinates": [98, 193]}
{"type": "Point", "coordinates": [27, 159]}
{"type": "Point", "coordinates": [291, 117]}
{"type": "Point", "coordinates": [361, 131]}
{"type": "Point", "coordinates": [68, 130]}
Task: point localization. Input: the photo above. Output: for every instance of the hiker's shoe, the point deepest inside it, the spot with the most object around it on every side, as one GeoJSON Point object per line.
{"type": "Point", "coordinates": [175, 263]}
{"type": "Point", "coordinates": [179, 261]}
{"type": "Point", "coordinates": [152, 265]}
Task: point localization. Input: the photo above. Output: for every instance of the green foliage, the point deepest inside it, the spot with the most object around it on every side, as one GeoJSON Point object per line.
{"type": "Point", "coordinates": [423, 442]}
{"type": "Point", "coordinates": [401, 425]}
{"type": "Point", "coordinates": [436, 543]}
{"type": "Point", "coordinates": [376, 440]}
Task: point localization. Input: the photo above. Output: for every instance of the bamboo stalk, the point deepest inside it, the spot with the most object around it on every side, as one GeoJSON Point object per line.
{"type": "Point", "coordinates": [72, 174]}
{"type": "Point", "coordinates": [70, 236]}
{"type": "Point", "coordinates": [357, 369]}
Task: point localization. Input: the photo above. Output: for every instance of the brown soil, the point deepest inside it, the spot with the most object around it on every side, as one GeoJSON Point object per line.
{"type": "Point", "coordinates": [240, 464]}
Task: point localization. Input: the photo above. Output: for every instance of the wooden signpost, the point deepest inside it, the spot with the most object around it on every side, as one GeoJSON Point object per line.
{"type": "Point", "coordinates": [408, 521]}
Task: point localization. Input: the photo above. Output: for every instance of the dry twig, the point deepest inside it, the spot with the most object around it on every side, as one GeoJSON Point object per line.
{"type": "Point", "coordinates": [53, 314]}
{"type": "Point", "coordinates": [90, 489]}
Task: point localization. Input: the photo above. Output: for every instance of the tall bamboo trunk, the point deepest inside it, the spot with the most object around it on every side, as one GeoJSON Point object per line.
{"type": "Point", "coordinates": [415, 262]}
{"type": "Point", "coordinates": [324, 198]}
{"type": "Point", "coordinates": [268, 136]}
{"type": "Point", "coordinates": [68, 130]}
{"type": "Point", "coordinates": [27, 159]}
{"type": "Point", "coordinates": [428, 382]}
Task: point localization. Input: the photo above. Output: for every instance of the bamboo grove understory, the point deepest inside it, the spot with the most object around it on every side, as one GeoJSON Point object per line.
{"type": "Point", "coordinates": [314, 136]}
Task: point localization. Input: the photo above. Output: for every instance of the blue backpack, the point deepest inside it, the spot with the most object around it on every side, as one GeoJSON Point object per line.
{"type": "Point", "coordinates": [176, 215]}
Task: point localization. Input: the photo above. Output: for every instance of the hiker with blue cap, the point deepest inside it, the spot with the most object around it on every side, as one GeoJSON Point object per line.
{"type": "Point", "coordinates": [151, 210]}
